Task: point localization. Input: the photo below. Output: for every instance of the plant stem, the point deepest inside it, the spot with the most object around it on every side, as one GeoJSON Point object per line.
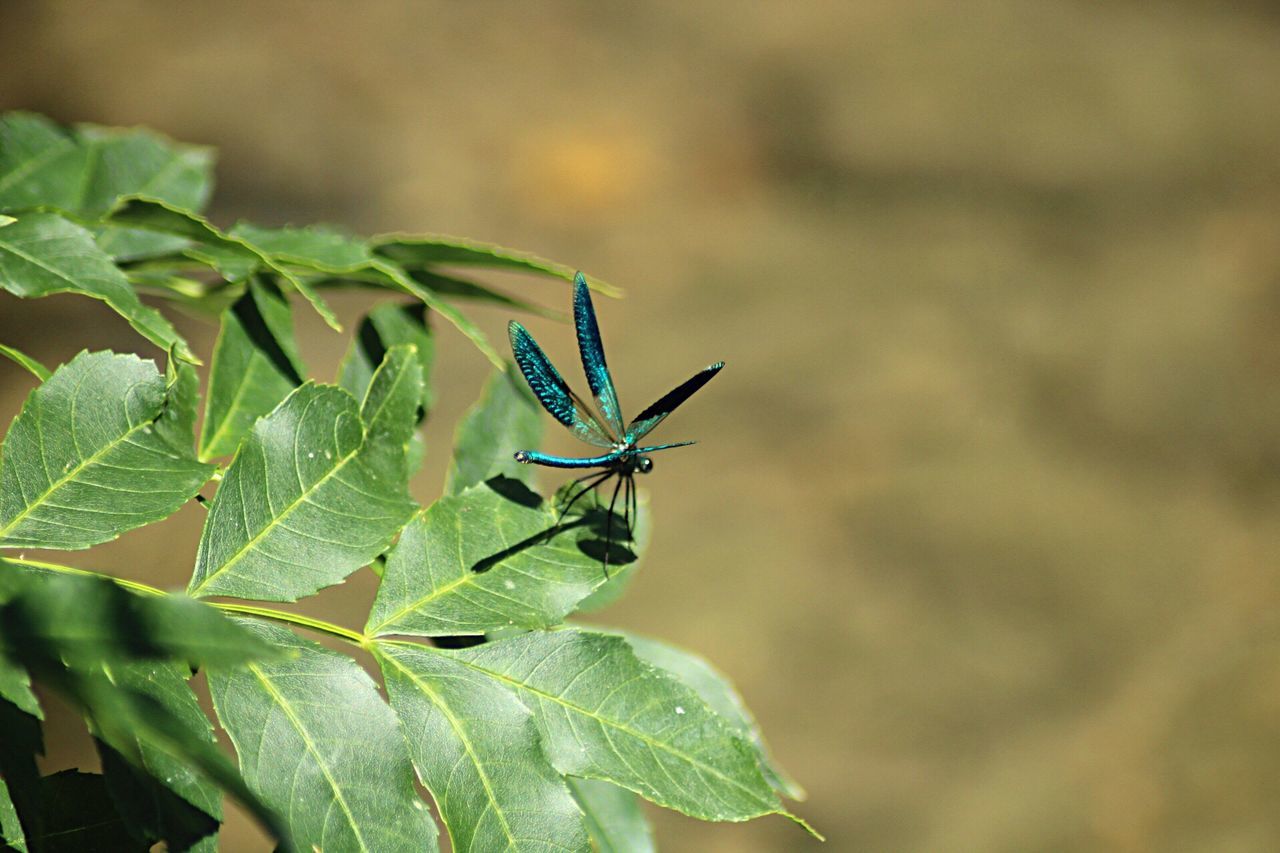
{"type": "Point", "coordinates": [293, 619]}
{"type": "Point", "coordinates": [298, 619]}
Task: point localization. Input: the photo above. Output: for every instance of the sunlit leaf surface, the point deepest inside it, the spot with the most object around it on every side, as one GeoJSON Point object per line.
{"type": "Point", "coordinates": [491, 557]}
{"type": "Point", "coordinates": [317, 490]}
{"type": "Point", "coordinates": [317, 742]}
{"type": "Point", "coordinates": [608, 715]}
{"type": "Point", "coordinates": [478, 751]}
{"type": "Point", "coordinates": [102, 447]}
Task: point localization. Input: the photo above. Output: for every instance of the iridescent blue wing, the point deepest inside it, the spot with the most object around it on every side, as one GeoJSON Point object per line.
{"type": "Point", "coordinates": [652, 416]}
{"type": "Point", "coordinates": [552, 391]}
{"type": "Point", "coordinates": [592, 349]}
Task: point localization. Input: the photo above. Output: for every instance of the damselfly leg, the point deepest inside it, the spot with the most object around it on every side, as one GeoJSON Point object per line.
{"type": "Point", "coordinates": [608, 525]}
{"type": "Point", "coordinates": [597, 478]}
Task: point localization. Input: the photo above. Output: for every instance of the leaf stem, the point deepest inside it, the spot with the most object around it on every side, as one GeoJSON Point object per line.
{"type": "Point", "coordinates": [293, 619]}
{"type": "Point", "coordinates": [318, 625]}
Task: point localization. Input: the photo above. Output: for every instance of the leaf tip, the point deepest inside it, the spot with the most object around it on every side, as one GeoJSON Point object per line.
{"type": "Point", "coordinates": [803, 824]}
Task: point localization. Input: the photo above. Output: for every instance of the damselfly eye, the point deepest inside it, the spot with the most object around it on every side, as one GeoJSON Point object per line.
{"type": "Point", "coordinates": [645, 466]}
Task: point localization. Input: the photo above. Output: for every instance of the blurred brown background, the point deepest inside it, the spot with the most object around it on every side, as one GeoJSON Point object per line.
{"type": "Point", "coordinates": [983, 517]}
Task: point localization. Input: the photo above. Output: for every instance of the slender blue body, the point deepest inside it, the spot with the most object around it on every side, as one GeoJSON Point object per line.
{"type": "Point", "coordinates": [623, 459]}
{"type": "Point", "coordinates": [608, 459]}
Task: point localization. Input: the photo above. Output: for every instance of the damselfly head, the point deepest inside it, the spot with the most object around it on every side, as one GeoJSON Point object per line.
{"type": "Point", "coordinates": [644, 464]}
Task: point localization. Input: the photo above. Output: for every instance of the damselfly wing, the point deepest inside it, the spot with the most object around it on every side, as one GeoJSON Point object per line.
{"type": "Point", "coordinates": [602, 427]}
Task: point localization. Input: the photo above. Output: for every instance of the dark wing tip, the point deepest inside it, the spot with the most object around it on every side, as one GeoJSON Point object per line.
{"type": "Point", "coordinates": [581, 297]}
{"type": "Point", "coordinates": [714, 368]}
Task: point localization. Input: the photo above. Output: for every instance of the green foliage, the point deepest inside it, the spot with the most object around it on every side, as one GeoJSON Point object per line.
{"type": "Point", "coordinates": [101, 447]}
{"type": "Point", "coordinates": [536, 737]}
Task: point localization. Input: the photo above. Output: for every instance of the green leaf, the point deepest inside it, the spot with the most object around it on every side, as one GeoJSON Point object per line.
{"type": "Point", "coordinates": [151, 812]}
{"type": "Point", "coordinates": [15, 686]}
{"type": "Point", "coordinates": [477, 749]}
{"type": "Point", "coordinates": [125, 719]}
{"type": "Point", "coordinates": [395, 276]}
{"type": "Point", "coordinates": [78, 634]}
{"type": "Point", "coordinates": [385, 326]}
{"type": "Point", "coordinates": [488, 558]}
{"type": "Point", "coordinates": [322, 248]}
{"type": "Point", "coordinates": [233, 257]}
{"type": "Point", "coordinates": [606, 714]}
{"type": "Point", "coordinates": [102, 447]}
{"type": "Point", "coordinates": [416, 250]}
{"type": "Point", "coordinates": [317, 742]}
{"type": "Point", "coordinates": [11, 832]}
{"type": "Point", "coordinates": [23, 360]}
{"type": "Point", "coordinates": [719, 694]}
{"type": "Point", "coordinates": [141, 162]}
{"type": "Point", "coordinates": [90, 620]}
{"type": "Point", "coordinates": [255, 366]}
{"type": "Point", "coordinates": [619, 579]}
{"type": "Point", "coordinates": [165, 799]}
{"type": "Point", "coordinates": [448, 285]}
{"type": "Point", "coordinates": [505, 419]}
{"type": "Point", "coordinates": [40, 163]}
{"type": "Point", "coordinates": [42, 254]}
{"type": "Point", "coordinates": [614, 817]}
{"type": "Point", "coordinates": [318, 489]}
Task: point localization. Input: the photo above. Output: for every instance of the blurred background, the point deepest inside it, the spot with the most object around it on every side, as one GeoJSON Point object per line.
{"type": "Point", "coordinates": [983, 518]}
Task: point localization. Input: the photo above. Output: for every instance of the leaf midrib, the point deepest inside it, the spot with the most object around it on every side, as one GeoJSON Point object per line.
{"type": "Point", "coordinates": [454, 723]}
{"type": "Point", "coordinates": [70, 475]}
{"type": "Point", "coordinates": [232, 408]}
{"type": "Point", "coordinates": [649, 741]}
{"type": "Point", "coordinates": [54, 271]}
{"type": "Point", "coordinates": [35, 163]}
{"type": "Point", "coordinates": [468, 577]}
{"type": "Point", "coordinates": [302, 731]}
{"type": "Point", "coordinates": [276, 521]}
